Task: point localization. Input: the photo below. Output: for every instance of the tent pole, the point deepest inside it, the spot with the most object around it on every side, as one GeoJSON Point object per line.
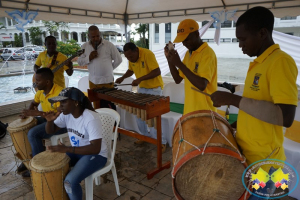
{"type": "Point", "coordinates": [126, 23]}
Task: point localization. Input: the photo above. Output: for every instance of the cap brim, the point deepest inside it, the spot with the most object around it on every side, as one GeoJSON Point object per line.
{"type": "Point", "coordinates": [180, 38]}
{"type": "Point", "coordinates": [57, 99]}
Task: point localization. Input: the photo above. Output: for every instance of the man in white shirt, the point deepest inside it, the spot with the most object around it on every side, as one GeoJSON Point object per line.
{"type": "Point", "coordinates": [101, 57]}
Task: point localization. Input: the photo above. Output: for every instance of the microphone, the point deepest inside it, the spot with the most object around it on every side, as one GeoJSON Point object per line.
{"type": "Point", "coordinates": [95, 46]}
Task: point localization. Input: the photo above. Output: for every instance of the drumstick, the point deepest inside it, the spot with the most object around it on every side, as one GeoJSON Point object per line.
{"type": "Point", "coordinates": [123, 84]}
{"type": "Point", "coordinates": [200, 91]}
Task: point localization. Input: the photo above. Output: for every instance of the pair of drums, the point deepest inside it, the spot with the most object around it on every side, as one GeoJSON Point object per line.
{"type": "Point", "coordinates": [216, 174]}
{"type": "Point", "coordinates": [48, 170]}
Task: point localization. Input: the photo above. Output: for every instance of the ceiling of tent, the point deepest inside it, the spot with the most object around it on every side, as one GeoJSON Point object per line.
{"type": "Point", "coordinates": [141, 11]}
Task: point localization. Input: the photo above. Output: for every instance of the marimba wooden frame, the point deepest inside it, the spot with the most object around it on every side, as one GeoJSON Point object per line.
{"type": "Point", "coordinates": [94, 96]}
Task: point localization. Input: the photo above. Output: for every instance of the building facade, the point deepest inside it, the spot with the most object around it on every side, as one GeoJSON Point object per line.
{"type": "Point", "coordinates": [160, 34]}
{"type": "Point", "coordinates": [76, 31]}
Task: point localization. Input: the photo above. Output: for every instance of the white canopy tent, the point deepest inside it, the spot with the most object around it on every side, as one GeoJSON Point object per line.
{"type": "Point", "coordinates": [141, 11]}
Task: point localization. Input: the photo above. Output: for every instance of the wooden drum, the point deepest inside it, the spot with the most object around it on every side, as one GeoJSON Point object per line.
{"type": "Point", "coordinates": [18, 130]}
{"type": "Point", "coordinates": [48, 171]}
{"type": "Point", "coordinates": [213, 172]}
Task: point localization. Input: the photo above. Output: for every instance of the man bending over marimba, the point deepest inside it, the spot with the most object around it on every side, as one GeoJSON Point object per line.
{"type": "Point", "coordinates": [143, 64]}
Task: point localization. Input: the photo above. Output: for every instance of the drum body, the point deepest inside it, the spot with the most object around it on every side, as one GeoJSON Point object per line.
{"type": "Point", "coordinates": [18, 130]}
{"type": "Point", "coordinates": [216, 174]}
{"type": "Point", "coordinates": [48, 171]}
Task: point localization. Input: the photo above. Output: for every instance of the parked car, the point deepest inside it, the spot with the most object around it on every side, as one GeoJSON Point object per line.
{"type": "Point", "coordinates": [120, 48]}
{"type": "Point", "coordinates": [29, 53]}
{"type": "Point", "coordinates": [13, 54]}
{"type": "Point", "coordinates": [38, 50]}
{"type": "Point", "coordinates": [18, 54]}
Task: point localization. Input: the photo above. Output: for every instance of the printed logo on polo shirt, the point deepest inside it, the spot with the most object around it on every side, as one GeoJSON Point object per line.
{"type": "Point", "coordinates": [196, 67]}
{"type": "Point", "coordinates": [143, 64]}
{"type": "Point", "coordinates": [255, 86]}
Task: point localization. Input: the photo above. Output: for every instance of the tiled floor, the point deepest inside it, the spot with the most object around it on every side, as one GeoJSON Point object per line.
{"type": "Point", "coordinates": [132, 163]}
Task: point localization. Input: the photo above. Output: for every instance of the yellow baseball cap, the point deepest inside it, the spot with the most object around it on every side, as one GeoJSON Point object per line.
{"type": "Point", "coordinates": [185, 28]}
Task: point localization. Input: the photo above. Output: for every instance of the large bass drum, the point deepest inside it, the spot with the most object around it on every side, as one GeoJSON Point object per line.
{"type": "Point", "coordinates": [207, 162]}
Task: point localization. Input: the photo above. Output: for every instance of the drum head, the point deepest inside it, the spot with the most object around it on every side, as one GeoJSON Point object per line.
{"type": "Point", "coordinates": [48, 161]}
{"type": "Point", "coordinates": [209, 177]}
{"type": "Point", "coordinates": [20, 124]}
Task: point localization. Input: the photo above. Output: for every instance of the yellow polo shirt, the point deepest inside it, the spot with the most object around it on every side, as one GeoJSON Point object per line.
{"type": "Point", "coordinates": [202, 62]}
{"type": "Point", "coordinates": [43, 60]}
{"type": "Point", "coordinates": [271, 77]}
{"type": "Point", "coordinates": [143, 66]}
{"type": "Point", "coordinates": [41, 98]}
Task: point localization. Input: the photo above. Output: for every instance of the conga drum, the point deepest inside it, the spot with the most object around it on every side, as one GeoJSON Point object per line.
{"type": "Point", "coordinates": [207, 162]}
{"type": "Point", "coordinates": [48, 171]}
{"type": "Point", "coordinates": [18, 130]}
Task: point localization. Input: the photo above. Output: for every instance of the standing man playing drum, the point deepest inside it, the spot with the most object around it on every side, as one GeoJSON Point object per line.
{"type": "Point", "coordinates": [198, 68]}
{"type": "Point", "coordinates": [143, 64]}
{"type": "Point", "coordinates": [46, 89]}
{"type": "Point", "coordinates": [89, 151]}
{"type": "Point", "coordinates": [51, 59]}
{"type": "Point", "coordinates": [270, 93]}
{"type": "Point", "coordinates": [101, 57]}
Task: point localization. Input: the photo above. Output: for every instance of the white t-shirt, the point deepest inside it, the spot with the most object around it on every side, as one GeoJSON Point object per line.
{"type": "Point", "coordinates": [83, 129]}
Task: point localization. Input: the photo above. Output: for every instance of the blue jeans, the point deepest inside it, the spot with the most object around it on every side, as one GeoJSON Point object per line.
{"type": "Point", "coordinates": [37, 133]}
{"type": "Point", "coordinates": [142, 124]}
{"type": "Point", "coordinates": [269, 185]}
{"type": "Point", "coordinates": [84, 166]}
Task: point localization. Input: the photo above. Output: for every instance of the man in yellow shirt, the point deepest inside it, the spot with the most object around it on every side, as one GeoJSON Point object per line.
{"type": "Point", "coordinates": [51, 58]}
{"type": "Point", "coordinates": [47, 89]}
{"type": "Point", "coordinates": [198, 68]}
{"type": "Point", "coordinates": [270, 94]}
{"type": "Point", "coordinates": [143, 64]}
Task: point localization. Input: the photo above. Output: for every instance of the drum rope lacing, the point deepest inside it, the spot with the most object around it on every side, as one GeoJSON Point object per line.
{"type": "Point", "coordinates": [27, 153]}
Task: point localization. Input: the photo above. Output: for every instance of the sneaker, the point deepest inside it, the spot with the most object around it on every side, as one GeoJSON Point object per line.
{"type": "Point", "coordinates": [139, 142]}
{"type": "Point", "coordinates": [163, 148]}
{"type": "Point", "coordinates": [26, 174]}
{"type": "Point", "coordinates": [21, 168]}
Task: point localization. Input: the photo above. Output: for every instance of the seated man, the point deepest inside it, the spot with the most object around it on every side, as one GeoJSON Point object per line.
{"type": "Point", "coordinates": [46, 89]}
{"type": "Point", "coordinates": [143, 64]}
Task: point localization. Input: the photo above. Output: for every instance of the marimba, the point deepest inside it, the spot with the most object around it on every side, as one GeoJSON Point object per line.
{"type": "Point", "coordinates": [145, 106]}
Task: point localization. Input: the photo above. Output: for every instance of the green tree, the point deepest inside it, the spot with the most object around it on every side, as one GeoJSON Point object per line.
{"type": "Point", "coordinates": [64, 35]}
{"type": "Point", "coordinates": [68, 48]}
{"type": "Point", "coordinates": [36, 35]}
{"type": "Point", "coordinates": [18, 40]}
{"type": "Point", "coordinates": [142, 30]}
{"type": "Point", "coordinates": [2, 26]}
{"type": "Point", "coordinates": [55, 26]}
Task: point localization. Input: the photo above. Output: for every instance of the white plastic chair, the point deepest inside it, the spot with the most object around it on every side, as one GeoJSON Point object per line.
{"type": "Point", "coordinates": [168, 120]}
{"type": "Point", "coordinates": [108, 118]}
{"type": "Point", "coordinates": [83, 84]}
{"type": "Point", "coordinates": [67, 81]}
